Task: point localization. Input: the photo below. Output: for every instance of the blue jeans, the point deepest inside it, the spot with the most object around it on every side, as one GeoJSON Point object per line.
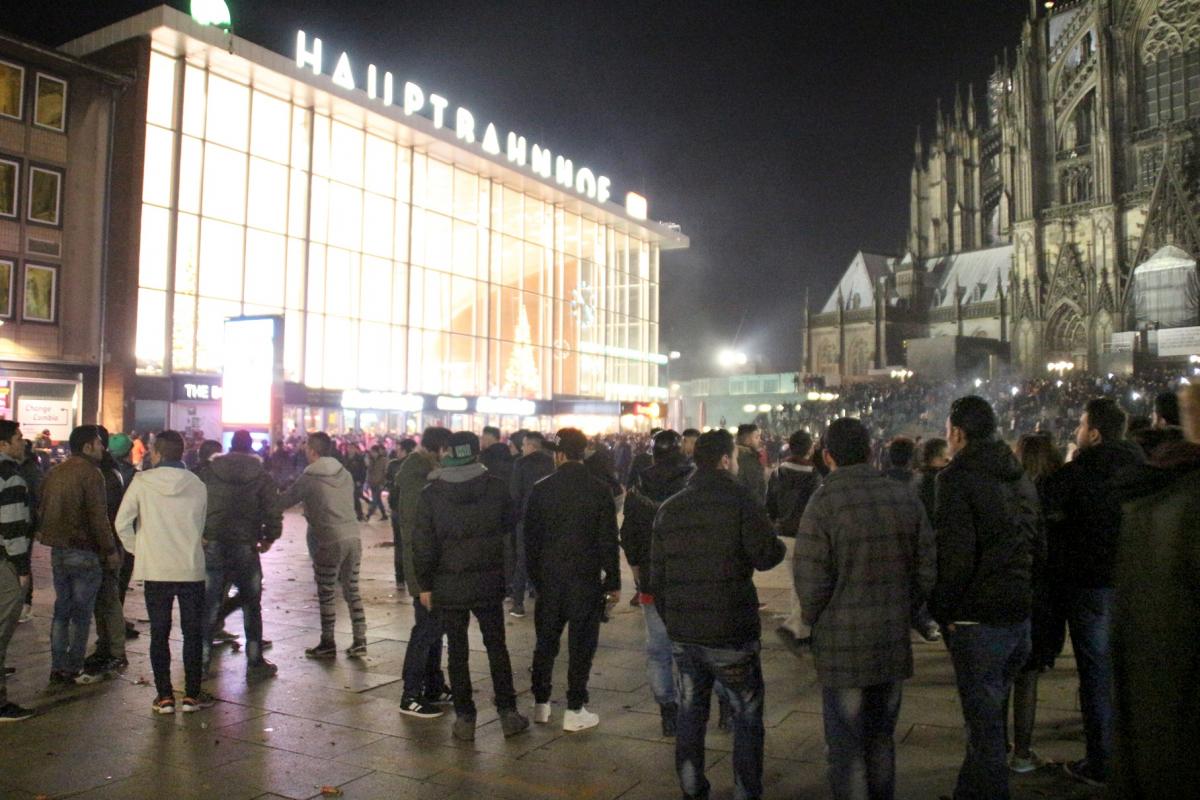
{"type": "Point", "coordinates": [77, 576]}
{"type": "Point", "coordinates": [236, 564]}
{"type": "Point", "coordinates": [659, 658]}
{"type": "Point", "coordinates": [1089, 616]}
{"type": "Point", "coordinates": [859, 727]}
{"type": "Point", "coordinates": [739, 670]}
{"type": "Point", "coordinates": [986, 660]}
{"type": "Point", "coordinates": [423, 656]}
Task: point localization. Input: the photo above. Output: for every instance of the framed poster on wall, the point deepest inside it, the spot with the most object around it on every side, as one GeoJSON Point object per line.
{"type": "Point", "coordinates": [41, 293]}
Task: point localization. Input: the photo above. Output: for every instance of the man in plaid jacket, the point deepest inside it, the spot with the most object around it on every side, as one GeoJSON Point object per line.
{"type": "Point", "coordinates": [865, 554]}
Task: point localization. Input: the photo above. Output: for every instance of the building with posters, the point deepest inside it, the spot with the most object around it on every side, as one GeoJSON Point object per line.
{"type": "Point", "coordinates": [428, 266]}
{"type": "Point", "coordinates": [55, 124]}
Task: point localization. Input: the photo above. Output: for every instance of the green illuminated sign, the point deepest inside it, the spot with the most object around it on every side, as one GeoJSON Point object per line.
{"type": "Point", "coordinates": [211, 12]}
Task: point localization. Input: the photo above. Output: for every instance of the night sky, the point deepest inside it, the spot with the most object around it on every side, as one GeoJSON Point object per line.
{"type": "Point", "coordinates": [777, 134]}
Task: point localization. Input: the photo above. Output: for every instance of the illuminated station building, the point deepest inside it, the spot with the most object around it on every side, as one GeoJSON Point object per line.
{"type": "Point", "coordinates": [429, 266]}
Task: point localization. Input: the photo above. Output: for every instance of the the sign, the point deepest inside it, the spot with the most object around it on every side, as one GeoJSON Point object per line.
{"type": "Point", "coordinates": [1123, 342]}
{"type": "Point", "coordinates": [35, 416]}
{"type": "Point", "coordinates": [380, 86]}
{"type": "Point", "coordinates": [505, 406]}
{"type": "Point", "coordinates": [249, 372]}
{"type": "Point", "coordinates": [648, 410]}
{"type": "Point", "coordinates": [1179, 341]}
{"type": "Point", "coordinates": [382, 401]}
{"type": "Point", "coordinates": [448, 403]}
{"type": "Point", "coordinates": [189, 388]}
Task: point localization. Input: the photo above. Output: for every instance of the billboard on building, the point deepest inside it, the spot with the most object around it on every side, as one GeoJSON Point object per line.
{"type": "Point", "coordinates": [252, 386]}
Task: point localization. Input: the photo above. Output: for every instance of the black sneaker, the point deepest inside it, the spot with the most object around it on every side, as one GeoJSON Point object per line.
{"type": "Point", "coordinates": [357, 650]}
{"type": "Point", "coordinates": [260, 670]}
{"type": "Point", "coordinates": [11, 712]}
{"type": "Point", "coordinates": [670, 715]}
{"type": "Point", "coordinates": [517, 611]}
{"type": "Point", "coordinates": [9, 671]}
{"type": "Point", "coordinates": [131, 632]}
{"type": "Point", "coordinates": [438, 697]}
{"type": "Point", "coordinates": [322, 650]}
{"type": "Point", "coordinates": [1084, 772]}
{"type": "Point", "coordinates": [415, 707]}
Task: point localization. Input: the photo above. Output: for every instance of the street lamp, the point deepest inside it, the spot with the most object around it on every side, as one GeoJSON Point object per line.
{"type": "Point", "coordinates": [902, 374]}
{"type": "Point", "coordinates": [1060, 367]}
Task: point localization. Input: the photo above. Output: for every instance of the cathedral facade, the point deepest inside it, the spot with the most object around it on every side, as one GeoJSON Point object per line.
{"type": "Point", "coordinates": [1031, 211]}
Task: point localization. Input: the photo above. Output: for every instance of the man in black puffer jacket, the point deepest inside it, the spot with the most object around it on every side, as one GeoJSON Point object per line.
{"type": "Point", "coordinates": [986, 522]}
{"type": "Point", "coordinates": [1084, 524]}
{"type": "Point", "coordinates": [668, 476]}
{"type": "Point", "coordinates": [458, 556]}
{"type": "Point", "coordinates": [708, 541]}
{"type": "Point", "coordinates": [527, 470]}
{"type": "Point", "coordinates": [575, 565]}
{"type": "Point", "coordinates": [242, 521]}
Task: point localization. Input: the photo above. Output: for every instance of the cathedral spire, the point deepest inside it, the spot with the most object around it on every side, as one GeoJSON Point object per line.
{"type": "Point", "coordinates": [918, 149]}
{"type": "Point", "coordinates": [941, 123]}
{"type": "Point", "coordinates": [958, 109]}
{"type": "Point", "coordinates": [970, 106]}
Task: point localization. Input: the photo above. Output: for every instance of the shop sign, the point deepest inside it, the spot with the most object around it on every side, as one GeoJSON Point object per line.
{"type": "Point", "coordinates": [381, 87]}
{"type": "Point", "coordinates": [448, 403]}
{"type": "Point", "coordinates": [382, 401]}
{"type": "Point", "coordinates": [505, 406]}
{"type": "Point", "coordinates": [193, 389]}
{"type": "Point", "coordinates": [1123, 342]}
{"type": "Point", "coordinates": [35, 416]}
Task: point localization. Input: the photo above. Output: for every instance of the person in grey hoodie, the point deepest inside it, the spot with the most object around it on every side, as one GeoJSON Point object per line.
{"type": "Point", "coordinates": [327, 491]}
{"type": "Point", "coordinates": [242, 522]}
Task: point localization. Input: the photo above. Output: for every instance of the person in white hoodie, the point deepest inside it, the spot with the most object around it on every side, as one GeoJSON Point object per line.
{"type": "Point", "coordinates": [161, 522]}
{"type": "Point", "coordinates": [327, 491]}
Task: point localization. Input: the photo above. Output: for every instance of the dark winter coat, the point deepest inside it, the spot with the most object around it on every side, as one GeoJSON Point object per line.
{"type": "Point", "coordinates": [788, 492]}
{"type": "Point", "coordinates": [411, 479]}
{"type": "Point", "coordinates": [657, 483]}
{"type": "Point", "coordinates": [641, 462]}
{"type": "Point", "coordinates": [499, 461]}
{"type": "Point", "coordinates": [241, 501]}
{"type": "Point", "coordinates": [528, 470]}
{"type": "Point", "coordinates": [751, 474]}
{"type": "Point", "coordinates": [1084, 515]}
{"type": "Point", "coordinates": [571, 532]}
{"type": "Point", "coordinates": [357, 465]}
{"type": "Point", "coordinates": [708, 541]}
{"type": "Point", "coordinates": [458, 540]}
{"type": "Point", "coordinates": [986, 521]}
{"type": "Point", "coordinates": [925, 484]}
{"type": "Point", "coordinates": [1156, 627]}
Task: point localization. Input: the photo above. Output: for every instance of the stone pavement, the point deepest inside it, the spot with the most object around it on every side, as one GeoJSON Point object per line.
{"type": "Point", "coordinates": [335, 723]}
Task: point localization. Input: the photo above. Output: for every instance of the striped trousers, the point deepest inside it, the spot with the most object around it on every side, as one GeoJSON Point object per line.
{"type": "Point", "coordinates": [337, 563]}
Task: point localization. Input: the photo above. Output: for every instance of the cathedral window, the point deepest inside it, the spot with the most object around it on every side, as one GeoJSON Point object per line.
{"type": "Point", "coordinates": [1173, 87]}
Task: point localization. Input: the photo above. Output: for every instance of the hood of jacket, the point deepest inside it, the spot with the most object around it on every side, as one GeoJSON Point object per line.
{"type": "Point", "coordinates": [167, 481]}
{"type": "Point", "coordinates": [795, 466]}
{"type": "Point", "coordinates": [1170, 462]}
{"type": "Point", "coordinates": [325, 469]}
{"type": "Point", "coordinates": [992, 458]}
{"type": "Point", "coordinates": [665, 479]}
{"type": "Point", "coordinates": [461, 485]}
{"type": "Point", "coordinates": [236, 467]}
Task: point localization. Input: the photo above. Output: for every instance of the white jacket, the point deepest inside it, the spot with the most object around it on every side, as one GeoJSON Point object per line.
{"type": "Point", "coordinates": [161, 522]}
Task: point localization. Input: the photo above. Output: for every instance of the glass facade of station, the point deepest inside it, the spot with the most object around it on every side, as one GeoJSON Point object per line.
{"type": "Point", "coordinates": [394, 269]}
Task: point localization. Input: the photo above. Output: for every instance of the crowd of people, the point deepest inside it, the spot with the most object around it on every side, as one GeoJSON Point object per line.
{"type": "Point", "coordinates": [1000, 537]}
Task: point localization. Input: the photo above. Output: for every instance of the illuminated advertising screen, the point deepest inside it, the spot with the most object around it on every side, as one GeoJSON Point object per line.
{"type": "Point", "coordinates": [250, 367]}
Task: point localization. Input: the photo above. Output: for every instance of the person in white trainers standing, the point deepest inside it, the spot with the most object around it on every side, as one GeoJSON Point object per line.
{"type": "Point", "coordinates": [161, 521]}
{"type": "Point", "coordinates": [573, 551]}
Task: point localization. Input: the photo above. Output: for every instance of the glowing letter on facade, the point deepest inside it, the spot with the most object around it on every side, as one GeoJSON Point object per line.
{"type": "Point", "coordinates": [439, 104]}
{"type": "Point", "coordinates": [342, 75]}
{"type": "Point", "coordinates": [414, 98]}
{"type": "Point", "coordinates": [491, 140]}
{"type": "Point", "coordinates": [372, 85]}
{"type": "Point", "coordinates": [585, 183]}
{"type": "Point", "coordinates": [464, 125]}
{"type": "Point", "coordinates": [564, 172]}
{"type": "Point", "coordinates": [635, 205]}
{"type": "Point", "coordinates": [516, 149]}
{"type": "Point", "coordinates": [542, 163]}
{"type": "Point", "coordinates": [305, 56]}
{"type": "Point", "coordinates": [603, 189]}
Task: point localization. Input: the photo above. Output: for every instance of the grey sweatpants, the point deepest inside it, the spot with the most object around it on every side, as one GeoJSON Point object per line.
{"type": "Point", "coordinates": [337, 563]}
{"type": "Point", "coordinates": [11, 599]}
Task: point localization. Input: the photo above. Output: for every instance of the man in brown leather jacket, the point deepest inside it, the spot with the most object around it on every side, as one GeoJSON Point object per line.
{"type": "Point", "coordinates": [74, 524]}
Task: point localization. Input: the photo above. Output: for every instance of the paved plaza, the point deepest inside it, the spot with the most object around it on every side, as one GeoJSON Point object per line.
{"type": "Point", "coordinates": [333, 726]}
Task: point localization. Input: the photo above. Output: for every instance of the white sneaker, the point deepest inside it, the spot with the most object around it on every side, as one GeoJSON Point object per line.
{"type": "Point", "coordinates": [26, 614]}
{"type": "Point", "coordinates": [580, 720]}
{"type": "Point", "coordinates": [541, 713]}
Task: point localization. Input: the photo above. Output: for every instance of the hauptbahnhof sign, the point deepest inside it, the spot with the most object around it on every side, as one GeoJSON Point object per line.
{"type": "Point", "coordinates": [380, 86]}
